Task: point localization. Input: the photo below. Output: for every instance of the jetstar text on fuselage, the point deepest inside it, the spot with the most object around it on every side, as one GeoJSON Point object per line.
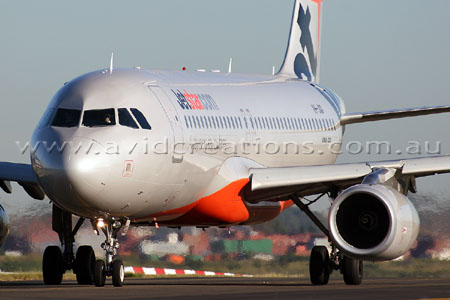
{"type": "Point", "coordinates": [195, 101]}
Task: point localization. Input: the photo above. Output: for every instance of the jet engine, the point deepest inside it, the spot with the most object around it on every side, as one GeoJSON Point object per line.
{"type": "Point", "coordinates": [373, 222]}
{"type": "Point", "coordinates": [4, 225]}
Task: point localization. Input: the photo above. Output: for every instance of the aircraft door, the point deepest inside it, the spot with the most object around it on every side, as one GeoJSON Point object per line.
{"type": "Point", "coordinates": [250, 134]}
{"type": "Point", "coordinates": [175, 122]}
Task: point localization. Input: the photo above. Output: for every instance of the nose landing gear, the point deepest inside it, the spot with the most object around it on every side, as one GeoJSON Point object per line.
{"type": "Point", "coordinates": [113, 266]}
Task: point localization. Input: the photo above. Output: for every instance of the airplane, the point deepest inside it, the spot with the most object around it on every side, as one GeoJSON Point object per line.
{"type": "Point", "coordinates": [135, 147]}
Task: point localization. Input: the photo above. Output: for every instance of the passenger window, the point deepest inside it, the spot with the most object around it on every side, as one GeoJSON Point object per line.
{"type": "Point", "coordinates": [99, 117]}
{"type": "Point", "coordinates": [67, 118]}
{"type": "Point", "coordinates": [125, 119]}
{"type": "Point", "coordinates": [141, 118]}
{"type": "Point", "coordinates": [195, 122]}
{"type": "Point", "coordinates": [204, 122]}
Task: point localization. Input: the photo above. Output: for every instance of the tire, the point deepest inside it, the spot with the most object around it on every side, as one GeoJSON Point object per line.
{"type": "Point", "coordinates": [352, 269]}
{"type": "Point", "coordinates": [319, 271]}
{"type": "Point", "coordinates": [85, 265]}
{"type": "Point", "coordinates": [99, 273]}
{"type": "Point", "coordinates": [52, 265]}
{"type": "Point", "coordinates": [118, 273]}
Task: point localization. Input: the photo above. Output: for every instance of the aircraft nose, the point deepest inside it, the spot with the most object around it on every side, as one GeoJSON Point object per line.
{"type": "Point", "coordinates": [73, 177]}
{"type": "Point", "coordinates": [86, 172]}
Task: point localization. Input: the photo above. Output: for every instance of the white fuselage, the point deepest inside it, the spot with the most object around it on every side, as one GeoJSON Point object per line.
{"type": "Point", "coordinates": [207, 129]}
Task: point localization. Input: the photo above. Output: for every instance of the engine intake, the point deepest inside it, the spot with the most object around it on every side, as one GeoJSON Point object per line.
{"type": "Point", "coordinates": [373, 222]}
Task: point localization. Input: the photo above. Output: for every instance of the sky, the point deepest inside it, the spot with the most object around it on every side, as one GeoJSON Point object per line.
{"type": "Point", "coordinates": [376, 54]}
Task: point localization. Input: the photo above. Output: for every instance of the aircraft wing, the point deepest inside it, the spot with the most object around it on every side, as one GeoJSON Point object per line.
{"type": "Point", "coordinates": [268, 184]}
{"type": "Point", "coordinates": [24, 175]}
{"type": "Point", "coordinates": [371, 116]}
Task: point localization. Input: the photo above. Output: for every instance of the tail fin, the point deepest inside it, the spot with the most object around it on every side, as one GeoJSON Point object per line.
{"type": "Point", "coordinates": [302, 58]}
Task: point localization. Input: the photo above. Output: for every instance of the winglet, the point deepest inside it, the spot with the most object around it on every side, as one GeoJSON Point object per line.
{"type": "Point", "coordinates": [111, 62]}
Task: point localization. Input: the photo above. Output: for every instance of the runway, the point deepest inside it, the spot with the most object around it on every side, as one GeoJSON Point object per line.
{"type": "Point", "coordinates": [231, 288]}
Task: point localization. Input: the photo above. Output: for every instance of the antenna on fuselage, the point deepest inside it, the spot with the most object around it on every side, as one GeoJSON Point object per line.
{"type": "Point", "coordinates": [273, 70]}
{"type": "Point", "coordinates": [230, 65]}
{"type": "Point", "coordinates": [111, 63]}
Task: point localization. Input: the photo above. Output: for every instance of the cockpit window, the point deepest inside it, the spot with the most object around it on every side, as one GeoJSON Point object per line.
{"type": "Point", "coordinates": [47, 118]}
{"type": "Point", "coordinates": [66, 118]}
{"type": "Point", "coordinates": [99, 117]}
{"type": "Point", "coordinates": [126, 119]}
{"type": "Point", "coordinates": [140, 118]}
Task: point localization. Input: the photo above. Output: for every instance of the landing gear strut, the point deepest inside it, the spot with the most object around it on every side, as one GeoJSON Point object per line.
{"type": "Point", "coordinates": [113, 266]}
{"type": "Point", "coordinates": [88, 270]}
{"type": "Point", "coordinates": [322, 263]}
{"type": "Point", "coordinates": [56, 262]}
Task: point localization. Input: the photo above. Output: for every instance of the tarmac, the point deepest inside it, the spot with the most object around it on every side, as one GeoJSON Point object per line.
{"type": "Point", "coordinates": [231, 288]}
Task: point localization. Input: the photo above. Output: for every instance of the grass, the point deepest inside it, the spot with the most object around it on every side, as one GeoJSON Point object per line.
{"type": "Point", "coordinates": [29, 267]}
{"type": "Point", "coordinates": [21, 276]}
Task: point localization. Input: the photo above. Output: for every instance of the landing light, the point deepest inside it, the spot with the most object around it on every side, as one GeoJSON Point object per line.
{"type": "Point", "coordinates": [100, 223]}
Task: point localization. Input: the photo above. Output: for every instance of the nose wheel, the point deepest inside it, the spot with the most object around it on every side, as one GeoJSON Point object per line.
{"type": "Point", "coordinates": [112, 266]}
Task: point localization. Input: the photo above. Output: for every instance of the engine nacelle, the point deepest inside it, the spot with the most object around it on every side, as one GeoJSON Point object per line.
{"type": "Point", "coordinates": [4, 225]}
{"type": "Point", "coordinates": [373, 222]}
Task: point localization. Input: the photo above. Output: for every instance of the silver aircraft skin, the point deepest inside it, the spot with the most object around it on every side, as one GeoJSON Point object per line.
{"type": "Point", "coordinates": [94, 184]}
{"type": "Point", "coordinates": [193, 148]}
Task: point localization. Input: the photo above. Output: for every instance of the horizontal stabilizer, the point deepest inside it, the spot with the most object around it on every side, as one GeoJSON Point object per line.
{"type": "Point", "coordinates": [371, 116]}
